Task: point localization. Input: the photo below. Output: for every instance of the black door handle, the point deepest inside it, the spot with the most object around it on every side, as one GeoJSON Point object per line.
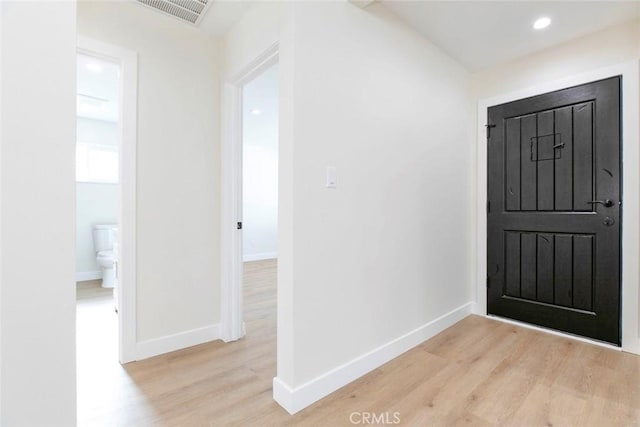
{"type": "Point", "coordinates": [607, 203]}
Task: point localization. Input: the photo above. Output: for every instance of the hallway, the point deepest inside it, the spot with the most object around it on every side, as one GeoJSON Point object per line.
{"type": "Point", "coordinates": [480, 371]}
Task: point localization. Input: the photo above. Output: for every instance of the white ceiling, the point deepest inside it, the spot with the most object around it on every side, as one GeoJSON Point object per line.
{"type": "Point", "coordinates": [97, 88]}
{"type": "Point", "coordinates": [260, 108]}
{"type": "Point", "coordinates": [481, 34]}
{"type": "Point", "coordinates": [478, 34]}
{"type": "Point", "coordinates": [222, 14]}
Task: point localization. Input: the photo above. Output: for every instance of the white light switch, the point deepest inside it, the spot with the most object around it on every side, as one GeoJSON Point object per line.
{"type": "Point", "coordinates": [331, 177]}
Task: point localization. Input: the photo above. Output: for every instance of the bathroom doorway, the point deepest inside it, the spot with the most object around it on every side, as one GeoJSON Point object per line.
{"type": "Point", "coordinates": [260, 202]}
{"type": "Point", "coordinates": [97, 180]}
{"type": "Point", "coordinates": [97, 206]}
{"type": "Point", "coordinates": [105, 221]}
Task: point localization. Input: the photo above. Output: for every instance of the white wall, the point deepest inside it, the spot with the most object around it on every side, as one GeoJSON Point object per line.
{"type": "Point", "coordinates": [37, 176]}
{"type": "Point", "coordinates": [371, 260]}
{"type": "Point", "coordinates": [597, 50]}
{"type": "Point", "coordinates": [178, 289]}
{"type": "Point", "coordinates": [389, 250]}
{"type": "Point", "coordinates": [91, 131]}
{"type": "Point", "coordinates": [259, 28]}
{"type": "Point", "coordinates": [567, 62]}
{"type": "Point", "coordinates": [95, 203]}
{"type": "Point", "coordinates": [1, 139]}
{"type": "Point", "coordinates": [260, 167]}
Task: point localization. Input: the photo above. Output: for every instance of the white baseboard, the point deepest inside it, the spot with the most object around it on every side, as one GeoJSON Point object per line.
{"type": "Point", "coordinates": [169, 343]}
{"type": "Point", "coordinates": [81, 276]}
{"type": "Point", "coordinates": [260, 256]}
{"type": "Point", "coordinates": [298, 398]}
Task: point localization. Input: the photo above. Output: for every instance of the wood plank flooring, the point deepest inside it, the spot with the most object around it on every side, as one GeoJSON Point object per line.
{"type": "Point", "coordinates": [92, 289]}
{"type": "Point", "coordinates": [478, 372]}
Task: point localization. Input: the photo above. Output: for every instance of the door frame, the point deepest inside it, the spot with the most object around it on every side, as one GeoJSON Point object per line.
{"type": "Point", "coordinates": [231, 264]}
{"type": "Point", "coordinates": [126, 262]}
{"type": "Point", "coordinates": [630, 292]}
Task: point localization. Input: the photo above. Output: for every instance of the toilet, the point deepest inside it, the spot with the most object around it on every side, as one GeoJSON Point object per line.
{"type": "Point", "coordinates": [104, 238]}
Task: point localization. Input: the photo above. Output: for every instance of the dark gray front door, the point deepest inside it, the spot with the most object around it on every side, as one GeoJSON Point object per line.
{"type": "Point", "coordinates": [554, 210]}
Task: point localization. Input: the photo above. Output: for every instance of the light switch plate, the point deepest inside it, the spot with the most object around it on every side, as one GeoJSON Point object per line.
{"type": "Point", "coordinates": [332, 180]}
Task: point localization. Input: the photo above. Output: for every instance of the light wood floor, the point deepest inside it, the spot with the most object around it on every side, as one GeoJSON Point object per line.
{"type": "Point", "coordinates": [92, 289]}
{"type": "Point", "coordinates": [478, 372]}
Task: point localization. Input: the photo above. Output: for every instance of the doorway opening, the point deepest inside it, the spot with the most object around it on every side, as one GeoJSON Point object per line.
{"type": "Point", "coordinates": [105, 222]}
{"type": "Point", "coordinates": [232, 323]}
{"type": "Point", "coordinates": [97, 206]}
{"type": "Point", "coordinates": [260, 202]}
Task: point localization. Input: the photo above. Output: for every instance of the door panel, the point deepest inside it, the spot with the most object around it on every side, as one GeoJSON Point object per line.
{"type": "Point", "coordinates": [540, 150]}
{"type": "Point", "coordinates": [545, 158]}
{"type": "Point", "coordinates": [528, 170]}
{"type": "Point", "coordinates": [582, 151]}
{"type": "Point", "coordinates": [583, 274]}
{"type": "Point", "coordinates": [542, 267]}
{"type": "Point", "coordinates": [513, 268]}
{"type": "Point", "coordinates": [513, 169]}
{"type": "Point", "coordinates": [564, 163]}
{"type": "Point", "coordinates": [563, 271]}
{"type": "Point", "coordinates": [529, 267]}
{"type": "Point", "coordinates": [553, 254]}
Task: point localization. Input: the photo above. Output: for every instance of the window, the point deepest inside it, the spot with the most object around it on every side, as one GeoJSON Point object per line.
{"type": "Point", "coordinates": [97, 131]}
{"type": "Point", "coordinates": [96, 163]}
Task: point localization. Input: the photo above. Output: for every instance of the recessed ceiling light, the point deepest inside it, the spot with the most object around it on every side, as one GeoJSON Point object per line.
{"type": "Point", "coordinates": [541, 23]}
{"type": "Point", "coordinates": [255, 112]}
{"type": "Point", "coordinates": [93, 67]}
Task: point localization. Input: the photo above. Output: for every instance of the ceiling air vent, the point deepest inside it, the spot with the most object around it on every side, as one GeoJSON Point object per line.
{"type": "Point", "coordinates": [190, 11]}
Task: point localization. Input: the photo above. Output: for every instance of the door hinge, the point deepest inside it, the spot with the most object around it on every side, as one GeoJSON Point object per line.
{"type": "Point", "coordinates": [488, 206]}
{"type": "Point", "coordinates": [488, 126]}
{"type": "Point", "coordinates": [239, 225]}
